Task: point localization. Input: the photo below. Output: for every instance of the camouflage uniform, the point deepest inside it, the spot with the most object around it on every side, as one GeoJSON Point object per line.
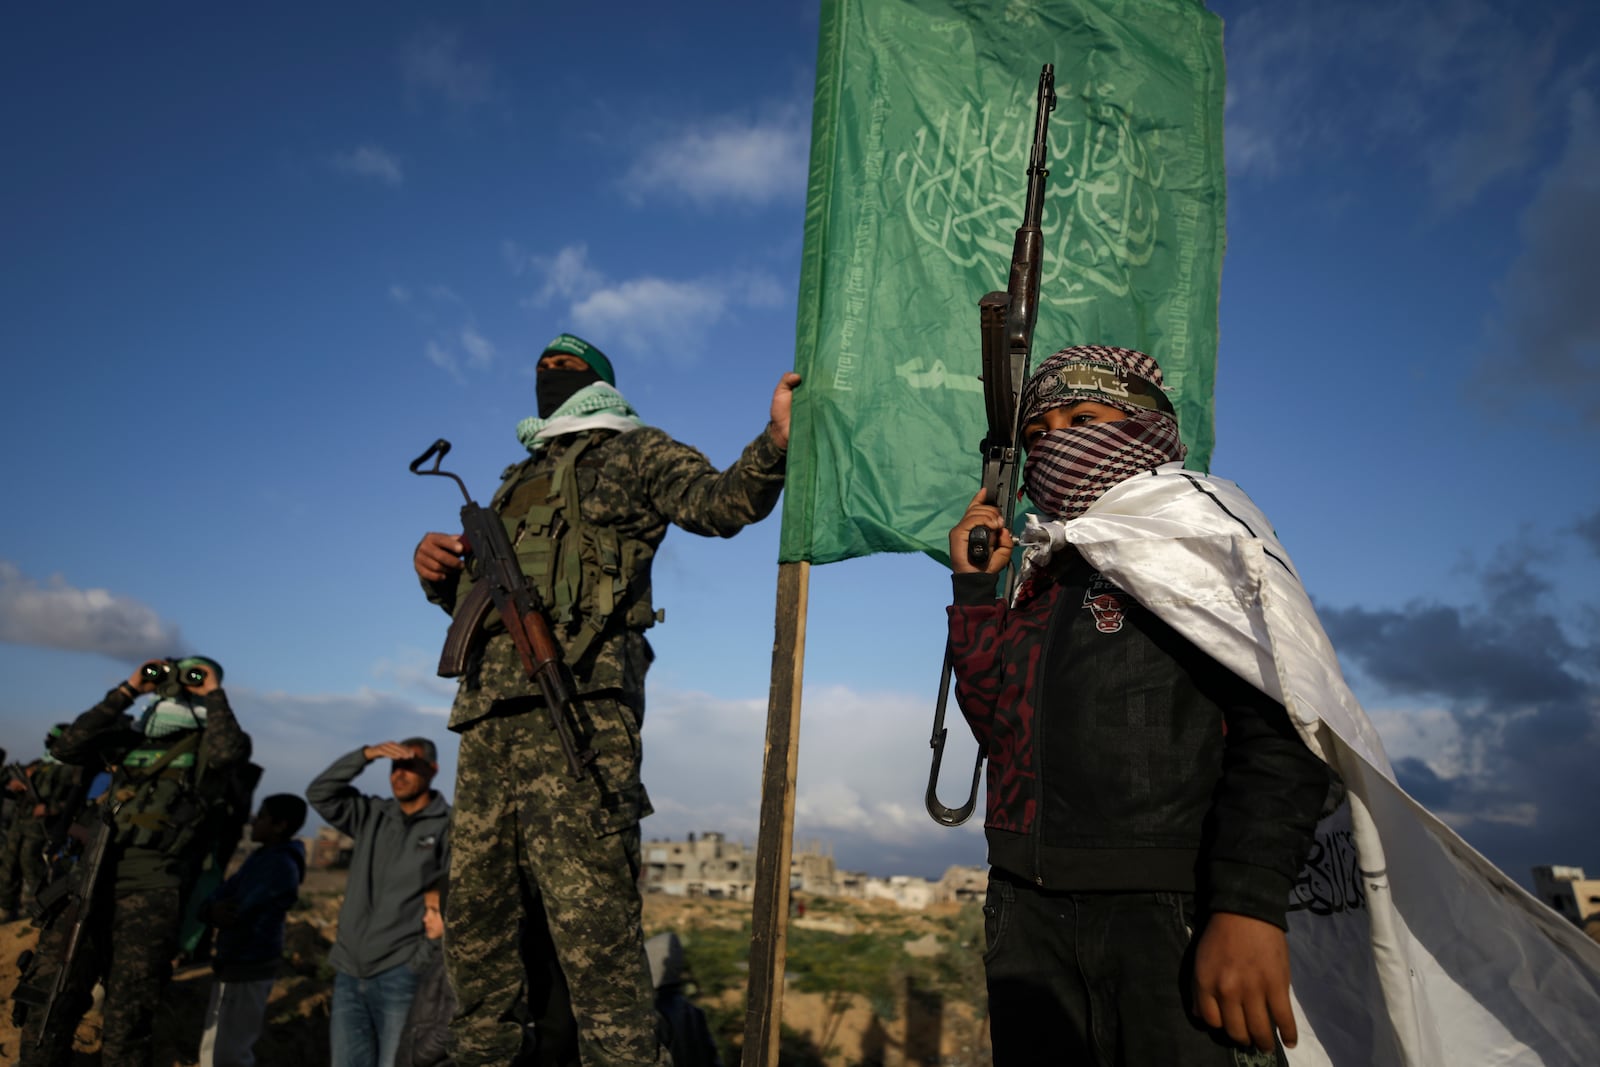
{"type": "Point", "coordinates": [131, 934]}
{"type": "Point", "coordinates": [523, 827]}
{"type": "Point", "coordinates": [23, 862]}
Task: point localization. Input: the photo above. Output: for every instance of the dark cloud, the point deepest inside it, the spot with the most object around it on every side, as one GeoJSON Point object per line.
{"type": "Point", "coordinates": [1456, 89]}
{"type": "Point", "coordinates": [1588, 531]}
{"type": "Point", "coordinates": [1436, 650]}
{"type": "Point", "coordinates": [1548, 328]}
{"type": "Point", "coordinates": [1518, 674]}
{"type": "Point", "coordinates": [1418, 779]}
{"type": "Point", "coordinates": [54, 614]}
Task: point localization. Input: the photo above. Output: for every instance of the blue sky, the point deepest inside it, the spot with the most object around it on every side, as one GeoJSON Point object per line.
{"type": "Point", "coordinates": [258, 260]}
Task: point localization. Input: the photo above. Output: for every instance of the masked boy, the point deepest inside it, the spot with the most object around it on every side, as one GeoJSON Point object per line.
{"type": "Point", "coordinates": [1148, 810]}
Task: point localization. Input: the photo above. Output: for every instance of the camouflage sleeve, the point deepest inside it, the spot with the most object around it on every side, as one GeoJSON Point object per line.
{"type": "Point", "coordinates": [56, 783]}
{"type": "Point", "coordinates": [443, 593]}
{"type": "Point", "coordinates": [227, 745]}
{"type": "Point", "coordinates": [83, 740]}
{"type": "Point", "coordinates": [685, 489]}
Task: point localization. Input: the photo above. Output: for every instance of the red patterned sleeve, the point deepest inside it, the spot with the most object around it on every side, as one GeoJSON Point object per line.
{"type": "Point", "coordinates": [976, 623]}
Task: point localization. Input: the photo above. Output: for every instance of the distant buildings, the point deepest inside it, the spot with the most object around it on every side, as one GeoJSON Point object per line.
{"type": "Point", "coordinates": [329, 848]}
{"type": "Point", "coordinates": [1568, 891]}
{"type": "Point", "coordinates": [709, 865]}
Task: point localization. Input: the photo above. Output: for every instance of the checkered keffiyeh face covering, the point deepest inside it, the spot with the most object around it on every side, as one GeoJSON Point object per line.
{"type": "Point", "coordinates": [1069, 469]}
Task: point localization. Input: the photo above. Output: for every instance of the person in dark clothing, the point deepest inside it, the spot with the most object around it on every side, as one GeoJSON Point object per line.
{"type": "Point", "coordinates": [165, 771]}
{"type": "Point", "coordinates": [1148, 810]}
{"type": "Point", "coordinates": [426, 1041]}
{"type": "Point", "coordinates": [35, 805]}
{"type": "Point", "coordinates": [249, 911]}
{"type": "Point", "coordinates": [688, 1034]}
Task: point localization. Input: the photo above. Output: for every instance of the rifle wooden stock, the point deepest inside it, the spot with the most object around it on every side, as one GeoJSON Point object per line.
{"type": "Point", "coordinates": [541, 658]}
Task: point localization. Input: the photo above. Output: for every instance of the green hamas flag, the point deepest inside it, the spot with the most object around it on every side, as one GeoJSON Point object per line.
{"type": "Point", "coordinates": [922, 122]}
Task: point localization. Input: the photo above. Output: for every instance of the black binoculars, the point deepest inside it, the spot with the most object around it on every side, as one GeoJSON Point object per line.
{"type": "Point", "coordinates": [156, 673]}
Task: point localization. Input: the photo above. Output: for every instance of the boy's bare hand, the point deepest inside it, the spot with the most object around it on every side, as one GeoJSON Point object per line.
{"type": "Point", "coordinates": [987, 515]}
{"type": "Point", "coordinates": [1241, 980]}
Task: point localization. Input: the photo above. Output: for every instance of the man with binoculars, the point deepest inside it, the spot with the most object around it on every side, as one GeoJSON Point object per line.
{"type": "Point", "coordinates": [168, 768]}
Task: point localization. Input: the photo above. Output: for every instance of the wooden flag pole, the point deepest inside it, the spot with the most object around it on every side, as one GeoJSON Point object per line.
{"type": "Point", "coordinates": [769, 926]}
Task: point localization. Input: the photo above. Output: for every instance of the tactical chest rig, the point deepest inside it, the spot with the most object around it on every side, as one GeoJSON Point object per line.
{"type": "Point", "coordinates": [587, 574]}
{"type": "Point", "coordinates": [155, 796]}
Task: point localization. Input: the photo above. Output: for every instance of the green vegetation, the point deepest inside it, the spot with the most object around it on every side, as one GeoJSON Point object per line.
{"type": "Point", "coordinates": [872, 963]}
{"type": "Point", "coordinates": [718, 959]}
{"type": "Point", "coordinates": [869, 961]}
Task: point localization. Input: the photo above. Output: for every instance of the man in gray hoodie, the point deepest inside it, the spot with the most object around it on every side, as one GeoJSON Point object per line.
{"type": "Point", "coordinates": [401, 849]}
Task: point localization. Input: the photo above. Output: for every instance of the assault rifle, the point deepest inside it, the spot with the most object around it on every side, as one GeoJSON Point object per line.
{"type": "Point", "coordinates": [72, 904]}
{"type": "Point", "coordinates": [18, 773]}
{"type": "Point", "coordinates": [503, 587]}
{"type": "Point", "coordinates": [1005, 324]}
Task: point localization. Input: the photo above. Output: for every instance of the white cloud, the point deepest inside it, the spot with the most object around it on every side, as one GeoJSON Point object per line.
{"type": "Point", "coordinates": [455, 343]}
{"type": "Point", "coordinates": [370, 161]}
{"type": "Point", "coordinates": [417, 673]}
{"type": "Point", "coordinates": [480, 352]}
{"type": "Point", "coordinates": [58, 615]}
{"type": "Point", "coordinates": [296, 736]}
{"type": "Point", "coordinates": [566, 275]}
{"type": "Point", "coordinates": [434, 61]}
{"type": "Point", "coordinates": [443, 358]}
{"type": "Point", "coordinates": [651, 314]}
{"type": "Point", "coordinates": [646, 316]}
{"type": "Point", "coordinates": [1431, 735]}
{"type": "Point", "coordinates": [721, 160]}
{"type": "Point", "coordinates": [863, 768]}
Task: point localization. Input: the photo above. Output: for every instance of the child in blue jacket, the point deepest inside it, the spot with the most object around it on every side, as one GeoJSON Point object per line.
{"type": "Point", "coordinates": [248, 911]}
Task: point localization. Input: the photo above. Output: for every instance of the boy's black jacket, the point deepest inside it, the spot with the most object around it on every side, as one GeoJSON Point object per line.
{"type": "Point", "coordinates": [1122, 757]}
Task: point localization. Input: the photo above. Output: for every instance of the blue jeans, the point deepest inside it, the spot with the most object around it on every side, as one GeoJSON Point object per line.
{"type": "Point", "coordinates": [369, 1016]}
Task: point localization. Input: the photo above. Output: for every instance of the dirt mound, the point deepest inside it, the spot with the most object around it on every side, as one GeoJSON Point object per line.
{"type": "Point", "coordinates": [866, 985]}
{"type": "Point", "coordinates": [296, 1030]}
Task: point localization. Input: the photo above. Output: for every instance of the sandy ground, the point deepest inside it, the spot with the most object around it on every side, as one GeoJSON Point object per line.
{"type": "Point", "coordinates": [840, 1030]}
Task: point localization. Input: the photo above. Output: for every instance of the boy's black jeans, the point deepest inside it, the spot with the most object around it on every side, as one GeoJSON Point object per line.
{"type": "Point", "coordinates": [1099, 979]}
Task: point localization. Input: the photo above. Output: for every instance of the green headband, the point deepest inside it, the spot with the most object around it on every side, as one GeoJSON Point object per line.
{"type": "Point", "coordinates": [574, 345]}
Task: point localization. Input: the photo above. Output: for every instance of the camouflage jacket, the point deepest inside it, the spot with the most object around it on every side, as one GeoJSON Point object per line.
{"type": "Point", "coordinates": [636, 484]}
{"type": "Point", "coordinates": [104, 736]}
{"type": "Point", "coordinates": [56, 783]}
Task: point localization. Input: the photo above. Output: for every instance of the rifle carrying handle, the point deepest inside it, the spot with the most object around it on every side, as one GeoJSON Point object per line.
{"type": "Point", "coordinates": [436, 452]}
